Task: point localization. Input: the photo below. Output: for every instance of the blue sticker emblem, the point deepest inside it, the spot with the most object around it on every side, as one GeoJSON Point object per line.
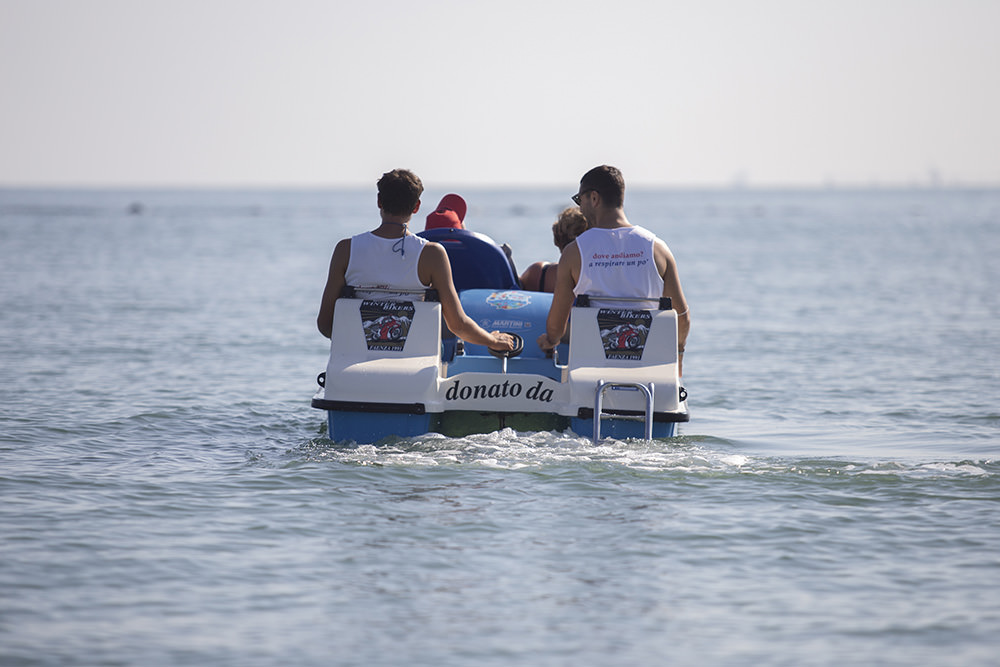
{"type": "Point", "coordinates": [508, 300]}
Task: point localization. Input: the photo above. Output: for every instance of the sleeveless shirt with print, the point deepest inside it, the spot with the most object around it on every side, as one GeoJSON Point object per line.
{"type": "Point", "coordinates": [618, 262]}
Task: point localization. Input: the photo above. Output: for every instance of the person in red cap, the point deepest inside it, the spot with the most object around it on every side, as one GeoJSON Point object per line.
{"type": "Point", "coordinates": [449, 213]}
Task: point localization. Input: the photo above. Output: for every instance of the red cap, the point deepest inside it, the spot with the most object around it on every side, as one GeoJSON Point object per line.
{"type": "Point", "coordinates": [443, 218]}
{"type": "Point", "coordinates": [453, 203]}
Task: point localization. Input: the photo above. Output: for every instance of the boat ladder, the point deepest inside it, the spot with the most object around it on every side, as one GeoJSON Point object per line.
{"type": "Point", "coordinates": [602, 386]}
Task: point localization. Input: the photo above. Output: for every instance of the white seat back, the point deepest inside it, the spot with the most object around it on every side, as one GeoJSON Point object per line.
{"type": "Point", "coordinates": [623, 345]}
{"type": "Point", "coordinates": [384, 351]}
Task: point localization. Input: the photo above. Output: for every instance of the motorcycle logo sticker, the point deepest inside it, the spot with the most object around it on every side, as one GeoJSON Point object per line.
{"type": "Point", "coordinates": [386, 323]}
{"type": "Point", "coordinates": [623, 332]}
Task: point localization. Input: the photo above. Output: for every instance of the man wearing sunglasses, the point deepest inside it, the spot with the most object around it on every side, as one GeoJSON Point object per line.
{"type": "Point", "coordinates": [612, 258]}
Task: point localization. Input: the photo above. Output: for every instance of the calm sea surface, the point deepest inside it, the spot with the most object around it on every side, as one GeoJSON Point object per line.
{"type": "Point", "coordinates": [168, 496]}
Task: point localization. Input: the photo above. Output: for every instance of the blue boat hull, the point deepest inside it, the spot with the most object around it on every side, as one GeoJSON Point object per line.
{"type": "Point", "coordinates": [365, 427]}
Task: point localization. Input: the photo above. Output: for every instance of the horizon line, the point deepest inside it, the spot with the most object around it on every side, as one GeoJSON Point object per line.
{"type": "Point", "coordinates": [910, 184]}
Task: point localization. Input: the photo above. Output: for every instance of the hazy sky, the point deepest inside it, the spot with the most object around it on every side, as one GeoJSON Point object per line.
{"type": "Point", "coordinates": [334, 92]}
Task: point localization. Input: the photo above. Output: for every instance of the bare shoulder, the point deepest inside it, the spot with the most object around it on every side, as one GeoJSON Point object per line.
{"type": "Point", "coordinates": [433, 267]}
{"type": "Point", "coordinates": [533, 272]}
{"type": "Point", "coordinates": [662, 256]}
{"type": "Point", "coordinates": [341, 255]}
{"type": "Point", "coordinates": [571, 253]}
{"type": "Point", "coordinates": [343, 248]}
{"type": "Point", "coordinates": [433, 252]}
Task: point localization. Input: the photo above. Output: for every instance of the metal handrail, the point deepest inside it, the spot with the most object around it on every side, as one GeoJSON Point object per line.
{"type": "Point", "coordinates": [602, 386]}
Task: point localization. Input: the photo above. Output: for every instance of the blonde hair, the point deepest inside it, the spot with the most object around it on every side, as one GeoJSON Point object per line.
{"type": "Point", "coordinates": [568, 226]}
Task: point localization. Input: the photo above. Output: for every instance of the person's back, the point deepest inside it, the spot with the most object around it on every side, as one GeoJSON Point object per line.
{"type": "Point", "coordinates": [620, 263]}
{"type": "Point", "coordinates": [369, 267]}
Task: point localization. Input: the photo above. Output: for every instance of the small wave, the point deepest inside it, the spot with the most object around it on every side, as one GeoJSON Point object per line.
{"type": "Point", "coordinates": [962, 468]}
{"type": "Point", "coordinates": [894, 470]}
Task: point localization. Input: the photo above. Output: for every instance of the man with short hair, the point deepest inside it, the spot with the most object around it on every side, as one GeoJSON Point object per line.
{"type": "Point", "coordinates": [613, 258]}
{"type": "Point", "coordinates": [390, 257]}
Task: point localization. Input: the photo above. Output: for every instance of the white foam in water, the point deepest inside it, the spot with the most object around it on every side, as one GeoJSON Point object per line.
{"type": "Point", "coordinates": [954, 468]}
{"type": "Point", "coordinates": [513, 450]}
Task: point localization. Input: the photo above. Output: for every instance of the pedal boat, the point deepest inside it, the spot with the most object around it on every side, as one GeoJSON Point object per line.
{"type": "Point", "coordinates": [395, 370]}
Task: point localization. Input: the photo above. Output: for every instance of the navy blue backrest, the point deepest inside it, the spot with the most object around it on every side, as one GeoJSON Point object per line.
{"type": "Point", "coordinates": [476, 261]}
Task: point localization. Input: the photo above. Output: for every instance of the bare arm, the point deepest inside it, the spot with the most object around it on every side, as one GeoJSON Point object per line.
{"type": "Point", "coordinates": [562, 298]}
{"type": "Point", "coordinates": [434, 269]}
{"type": "Point", "coordinates": [335, 282]}
{"type": "Point", "coordinates": [667, 267]}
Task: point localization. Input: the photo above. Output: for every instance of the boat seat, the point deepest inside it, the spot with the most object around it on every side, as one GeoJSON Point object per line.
{"type": "Point", "coordinates": [477, 262]}
{"type": "Point", "coordinates": [384, 351]}
{"type": "Point", "coordinates": [623, 345]}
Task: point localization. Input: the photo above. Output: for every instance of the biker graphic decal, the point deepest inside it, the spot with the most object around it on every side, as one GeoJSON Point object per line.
{"type": "Point", "coordinates": [623, 332]}
{"type": "Point", "coordinates": [386, 323]}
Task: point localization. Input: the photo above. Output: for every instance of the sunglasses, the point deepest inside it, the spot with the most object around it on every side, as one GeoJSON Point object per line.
{"type": "Point", "coordinates": [576, 197]}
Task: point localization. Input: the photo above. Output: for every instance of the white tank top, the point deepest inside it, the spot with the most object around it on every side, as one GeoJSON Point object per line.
{"type": "Point", "coordinates": [618, 262]}
{"type": "Point", "coordinates": [381, 263]}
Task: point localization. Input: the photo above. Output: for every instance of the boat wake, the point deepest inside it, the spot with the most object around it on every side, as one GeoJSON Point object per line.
{"type": "Point", "coordinates": [510, 449]}
{"type": "Point", "coordinates": [697, 455]}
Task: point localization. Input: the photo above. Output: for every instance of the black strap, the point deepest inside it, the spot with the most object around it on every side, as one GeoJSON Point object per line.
{"type": "Point", "coordinates": [541, 278]}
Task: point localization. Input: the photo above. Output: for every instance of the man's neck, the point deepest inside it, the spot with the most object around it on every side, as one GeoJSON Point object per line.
{"type": "Point", "coordinates": [392, 227]}
{"type": "Point", "coordinates": [611, 218]}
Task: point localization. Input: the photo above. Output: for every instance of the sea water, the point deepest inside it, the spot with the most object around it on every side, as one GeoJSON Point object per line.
{"type": "Point", "coordinates": [168, 495]}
